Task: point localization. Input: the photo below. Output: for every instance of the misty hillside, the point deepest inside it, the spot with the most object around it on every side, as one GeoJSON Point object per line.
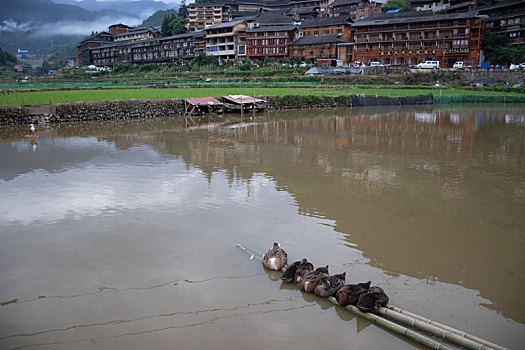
{"type": "Point", "coordinates": [41, 25]}
{"type": "Point", "coordinates": [46, 11]}
{"type": "Point", "coordinates": [157, 18]}
{"type": "Point", "coordinates": [141, 8]}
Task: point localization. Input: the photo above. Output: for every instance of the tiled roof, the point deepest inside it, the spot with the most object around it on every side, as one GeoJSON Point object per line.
{"type": "Point", "coordinates": [303, 10]}
{"type": "Point", "coordinates": [328, 21]}
{"type": "Point", "coordinates": [139, 31]}
{"type": "Point", "coordinates": [271, 29]}
{"type": "Point", "coordinates": [179, 36]}
{"type": "Point", "coordinates": [344, 2]}
{"type": "Point", "coordinates": [322, 39]}
{"type": "Point", "coordinates": [411, 17]}
{"type": "Point", "coordinates": [273, 17]}
{"type": "Point", "coordinates": [225, 24]}
{"type": "Point", "coordinates": [503, 3]}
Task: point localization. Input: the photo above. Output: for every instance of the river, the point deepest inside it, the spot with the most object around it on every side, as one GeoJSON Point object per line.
{"type": "Point", "coordinates": [121, 234]}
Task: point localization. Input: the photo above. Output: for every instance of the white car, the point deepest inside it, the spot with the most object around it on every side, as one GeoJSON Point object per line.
{"type": "Point", "coordinates": [458, 65]}
{"type": "Point", "coordinates": [376, 64]}
{"type": "Point", "coordinates": [429, 65]}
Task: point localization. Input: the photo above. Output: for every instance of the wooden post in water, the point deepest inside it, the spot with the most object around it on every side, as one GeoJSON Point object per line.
{"type": "Point", "coordinates": [253, 104]}
{"type": "Point", "coordinates": [242, 109]}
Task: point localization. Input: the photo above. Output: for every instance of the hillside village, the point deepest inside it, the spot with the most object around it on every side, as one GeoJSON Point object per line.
{"type": "Point", "coordinates": [447, 31]}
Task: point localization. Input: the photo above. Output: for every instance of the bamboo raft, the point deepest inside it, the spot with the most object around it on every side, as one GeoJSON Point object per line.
{"type": "Point", "coordinates": [398, 321]}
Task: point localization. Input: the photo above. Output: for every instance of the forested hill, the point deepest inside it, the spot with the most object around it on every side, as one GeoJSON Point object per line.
{"type": "Point", "coordinates": [46, 11]}
{"type": "Point", "coordinates": [141, 8]}
{"type": "Point", "coordinates": [156, 18]}
{"type": "Point", "coordinates": [41, 25]}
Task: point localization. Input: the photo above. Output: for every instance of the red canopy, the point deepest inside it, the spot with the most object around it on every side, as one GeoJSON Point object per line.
{"type": "Point", "coordinates": [238, 99]}
{"type": "Point", "coordinates": [206, 101]}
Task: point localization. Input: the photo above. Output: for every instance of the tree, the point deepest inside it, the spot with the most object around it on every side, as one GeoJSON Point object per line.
{"type": "Point", "coordinates": [204, 60]}
{"type": "Point", "coordinates": [498, 50]}
{"type": "Point", "coordinates": [173, 25]}
{"type": "Point", "coordinates": [183, 9]}
{"type": "Point", "coordinates": [156, 18]}
{"type": "Point", "coordinates": [2, 57]}
{"type": "Point", "coordinates": [402, 5]}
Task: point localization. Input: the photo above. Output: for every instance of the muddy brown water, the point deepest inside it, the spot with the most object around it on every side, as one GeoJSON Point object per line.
{"type": "Point", "coordinates": [120, 234]}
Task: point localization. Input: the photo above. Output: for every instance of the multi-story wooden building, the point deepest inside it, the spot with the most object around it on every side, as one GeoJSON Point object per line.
{"type": "Point", "coordinates": [106, 55]}
{"type": "Point", "coordinates": [428, 5]}
{"type": "Point", "coordinates": [269, 41]}
{"type": "Point", "coordinates": [412, 37]}
{"type": "Point", "coordinates": [227, 41]}
{"type": "Point", "coordinates": [165, 49]}
{"type": "Point", "coordinates": [200, 42]}
{"type": "Point", "coordinates": [507, 17]}
{"type": "Point", "coordinates": [178, 47]}
{"type": "Point", "coordinates": [323, 46]}
{"type": "Point", "coordinates": [83, 49]}
{"type": "Point", "coordinates": [202, 15]}
{"type": "Point", "coordinates": [119, 28]}
{"type": "Point", "coordinates": [141, 33]}
{"type": "Point", "coordinates": [340, 26]}
{"type": "Point", "coordinates": [356, 9]}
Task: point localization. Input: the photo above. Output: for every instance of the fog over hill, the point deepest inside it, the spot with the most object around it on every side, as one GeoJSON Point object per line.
{"type": "Point", "coordinates": [141, 8]}
{"type": "Point", "coordinates": [42, 25]}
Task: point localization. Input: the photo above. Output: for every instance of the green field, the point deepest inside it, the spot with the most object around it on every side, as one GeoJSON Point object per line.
{"type": "Point", "coordinates": [70, 96]}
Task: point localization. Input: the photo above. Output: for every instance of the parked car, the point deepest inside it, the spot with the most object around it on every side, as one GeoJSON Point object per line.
{"type": "Point", "coordinates": [458, 65]}
{"type": "Point", "coordinates": [376, 64]}
{"type": "Point", "coordinates": [429, 65]}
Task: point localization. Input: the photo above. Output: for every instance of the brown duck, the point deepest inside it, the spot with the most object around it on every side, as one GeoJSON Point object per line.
{"type": "Point", "coordinates": [276, 258]}
{"type": "Point", "coordinates": [296, 271]}
{"type": "Point", "coordinates": [328, 286]}
{"type": "Point", "coordinates": [311, 279]}
{"type": "Point", "coordinates": [373, 300]}
{"type": "Point", "coordinates": [349, 294]}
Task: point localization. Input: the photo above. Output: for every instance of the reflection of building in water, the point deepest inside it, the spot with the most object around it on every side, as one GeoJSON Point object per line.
{"type": "Point", "coordinates": [417, 184]}
{"type": "Point", "coordinates": [371, 180]}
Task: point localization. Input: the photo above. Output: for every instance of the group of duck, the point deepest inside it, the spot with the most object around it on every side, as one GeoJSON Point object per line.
{"type": "Point", "coordinates": [319, 281]}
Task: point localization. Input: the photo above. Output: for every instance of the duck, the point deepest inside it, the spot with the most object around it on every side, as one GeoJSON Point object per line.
{"type": "Point", "coordinates": [276, 258]}
{"type": "Point", "coordinates": [373, 300]}
{"type": "Point", "coordinates": [328, 286]}
{"type": "Point", "coordinates": [350, 293]}
{"type": "Point", "coordinates": [312, 278]}
{"type": "Point", "coordinates": [32, 129]}
{"type": "Point", "coordinates": [296, 271]}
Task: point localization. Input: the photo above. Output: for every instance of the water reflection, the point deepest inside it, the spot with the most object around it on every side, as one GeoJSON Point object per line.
{"type": "Point", "coordinates": [436, 194]}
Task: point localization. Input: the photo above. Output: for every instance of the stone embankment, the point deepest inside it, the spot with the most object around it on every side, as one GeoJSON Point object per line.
{"type": "Point", "coordinates": [104, 110]}
{"type": "Point", "coordinates": [82, 111]}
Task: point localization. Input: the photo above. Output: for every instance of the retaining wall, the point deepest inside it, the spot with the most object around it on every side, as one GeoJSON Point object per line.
{"type": "Point", "coordinates": [82, 111]}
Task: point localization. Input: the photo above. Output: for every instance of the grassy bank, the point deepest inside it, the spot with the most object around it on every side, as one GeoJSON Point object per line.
{"type": "Point", "coordinates": [70, 96]}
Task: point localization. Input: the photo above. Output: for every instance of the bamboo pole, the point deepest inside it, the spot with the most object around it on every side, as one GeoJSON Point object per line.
{"type": "Point", "coordinates": [394, 313]}
{"type": "Point", "coordinates": [432, 329]}
{"type": "Point", "coordinates": [409, 333]}
{"type": "Point", "coordinates": [486, 344]}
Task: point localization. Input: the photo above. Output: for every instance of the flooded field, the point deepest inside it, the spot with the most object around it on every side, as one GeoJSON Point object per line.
{"type": "Point", "coordinates": [121, 234]}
